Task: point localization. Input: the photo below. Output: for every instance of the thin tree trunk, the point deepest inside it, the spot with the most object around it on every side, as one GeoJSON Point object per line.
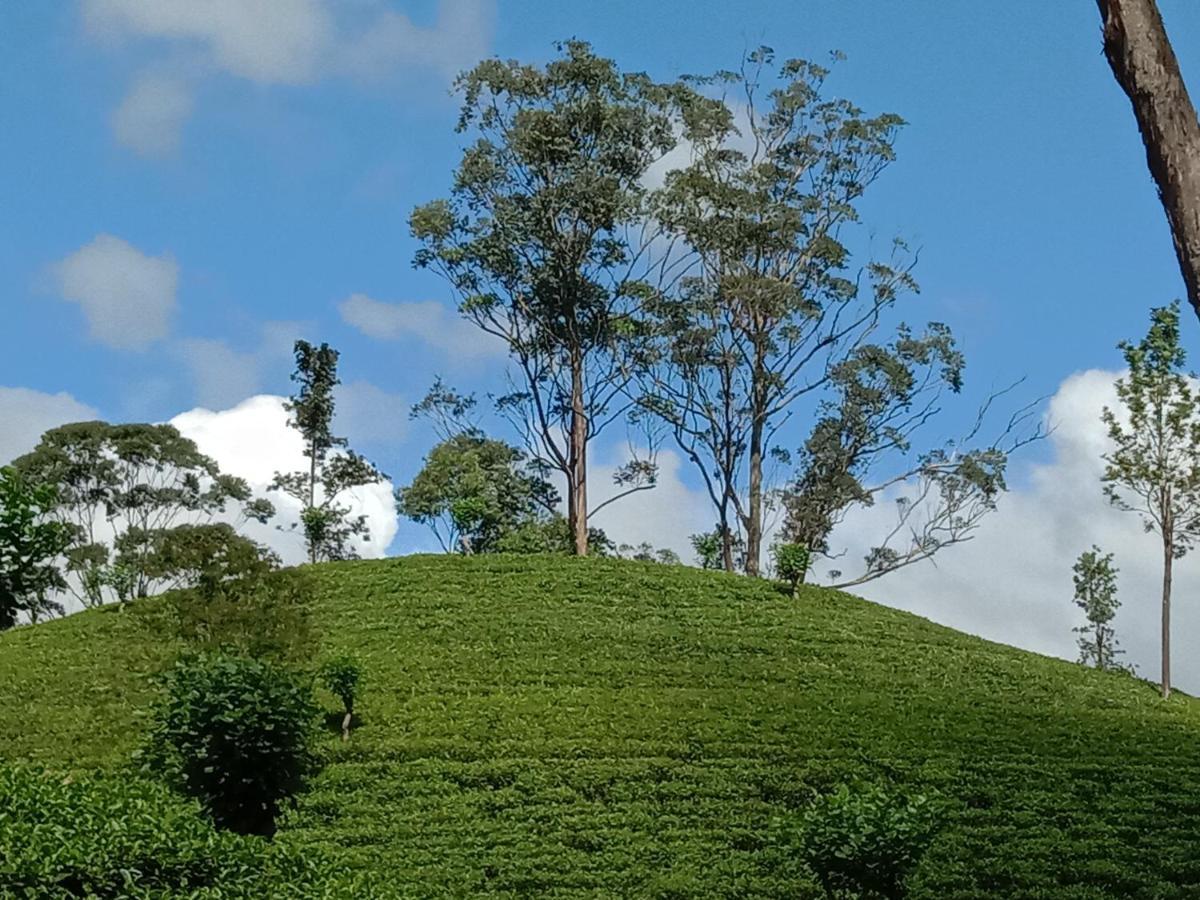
{"type": "Point", "coordinates": [346, 726]}
{"type": "Point", "coordinates": [1140, 55]}
{"type": "Point", "coordinates": [1168, 561]}
{"type": "Point", "coordinates": [577, 495]}
{"type": "Point", "coordinates": [312, 493]}
{"type": "Point", "coordinates": [754, 525]}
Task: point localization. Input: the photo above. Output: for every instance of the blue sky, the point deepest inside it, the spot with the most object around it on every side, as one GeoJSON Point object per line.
{"type": "Point", "coordinates": [261, 168]}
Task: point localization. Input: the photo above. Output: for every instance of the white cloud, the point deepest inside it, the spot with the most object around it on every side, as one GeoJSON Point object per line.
{"type": "Point", "coordinates": [253, 440]}
{"type": "Point", "coordinates": [664, 516]}
{"type": "Point", "coordinates": [425, 320]}
{"type": "Point", "coordinates": [281, 42]}
{"type": "Point", "coordinates": [151, 117]}
{"type": "Point", "coordinates": [267, 41]}
{"type": "Point", "coordinates": [27, 414]}
{"type": "Point", "coordinates": [127, 296]}
{"type": "Point", "coordinates": [458, 39]}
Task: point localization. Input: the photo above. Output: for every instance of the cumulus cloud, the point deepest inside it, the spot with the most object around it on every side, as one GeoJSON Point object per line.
{"type": "Point", "coordinates": [127, 296]}
{"type": "Point", "coordinates": [281, 42]}
{"type": "Point", "coordinates": [27, 413]}
{"type": "Point", "coordinates": [253, 440]}
{"type": "Point", "coordinates": [425, 320]}
{"type": "Point", "coordinates": [150, 119]}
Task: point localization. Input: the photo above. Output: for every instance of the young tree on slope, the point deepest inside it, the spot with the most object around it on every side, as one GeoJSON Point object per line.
{"type": "Point", "coordinates": [333, 469]}
{"type": "Point", "coordinates": [543, 239]}
{"type": "Point", "coordinates": [1096, 594]}
{"type": "Point", "coordinates": [1154, 467]}
{"type": "Point", "coordinates": [31, 542]}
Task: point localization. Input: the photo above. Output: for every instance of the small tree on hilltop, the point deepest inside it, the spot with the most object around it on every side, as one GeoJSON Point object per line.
{"type": "Point", "coordinates": [1096, 595]}
{"type": "Point", "coordinates": [333, 469]}
{"type": "Point", "coordinates": [1154, 468]}
{"type": "Point", "coordinates": [472, 491]}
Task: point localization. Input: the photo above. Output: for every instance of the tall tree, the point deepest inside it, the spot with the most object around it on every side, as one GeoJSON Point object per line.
{"type": "Point", "coordinates": [1154, 466]}
{"type": "Point", "coordinates": [1143, 61]}
{"type": "Point", "coordinates": [1096, 594]}
{"type": "Point", "coordinates": [544, 237]}
{"type": "Point", "coordinates": [333, 468]}
{"type": "Point", "coordinates": [771, 304]}
{"type": "Point", "coordinates": [31, 542]}
{"type": "Point", "coordinates": [120, 488]}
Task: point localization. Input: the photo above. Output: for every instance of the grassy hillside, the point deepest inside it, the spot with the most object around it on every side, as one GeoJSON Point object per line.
{"type": "Point", "coordinates": [591, 728]}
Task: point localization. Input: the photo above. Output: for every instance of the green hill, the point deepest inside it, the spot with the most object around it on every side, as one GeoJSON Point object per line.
{"type": "Point", "coordinates": [596, 728]}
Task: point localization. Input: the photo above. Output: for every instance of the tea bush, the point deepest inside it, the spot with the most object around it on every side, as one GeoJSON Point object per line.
{"type": "Point", "coordinates": [121, 836]}
{"type": "Point", "coordinates": [864, 840]}
{"type": "Point", "coordinates": [236, 733]}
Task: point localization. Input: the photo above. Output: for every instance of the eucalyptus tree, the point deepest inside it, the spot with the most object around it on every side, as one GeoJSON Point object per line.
{"type": "Point", "coordinates": [119, 489]}
{"type": "Point", "coordinates": [1154, 466]}
{"type": "Point", "coordinates": [877, 404]}
{"type": "Point", "coordinates": [771, 304]}
{"type": "Point", "coordinates": [545, 241]}
{"type": "Point", "coordinates": [333, 468]}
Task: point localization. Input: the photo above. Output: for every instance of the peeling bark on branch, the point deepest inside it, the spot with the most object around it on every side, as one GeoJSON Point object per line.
{"type": "Point", "coordinates": [1141, 57]}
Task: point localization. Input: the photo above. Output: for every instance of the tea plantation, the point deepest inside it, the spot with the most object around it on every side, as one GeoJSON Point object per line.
{"type": "Point", "coordinates": [535, 726]}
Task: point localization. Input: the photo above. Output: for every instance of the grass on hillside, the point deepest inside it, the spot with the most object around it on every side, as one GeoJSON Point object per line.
{"type": "Point", "coordinates": [536, 726]}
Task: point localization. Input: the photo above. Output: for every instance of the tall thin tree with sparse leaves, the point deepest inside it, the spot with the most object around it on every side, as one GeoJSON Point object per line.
{"type": "Point", "coordinates": [1154, 466]}
{"type": "Point", "coordinates": [1096, 594]}
{"type": "Point", "coordinates": [333, 468]}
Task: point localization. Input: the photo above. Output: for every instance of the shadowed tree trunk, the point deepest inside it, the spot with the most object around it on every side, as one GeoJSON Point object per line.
{"type": "Point", "coordinates": [1140, 54]}
{"type": "Point", "coordinates": [1168, 560]}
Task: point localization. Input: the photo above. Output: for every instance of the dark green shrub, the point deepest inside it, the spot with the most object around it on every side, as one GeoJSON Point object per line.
{"type": "Point", "coordinates": [863, 841]}
{"type": "Point", "coordinates": [791, 563]}
{"type": "Point", "coordinates": [236, 734]}
{"type": "Point", "coordinates": [342, 676]}
{"type": "Point", "coordinates": [120, 836]}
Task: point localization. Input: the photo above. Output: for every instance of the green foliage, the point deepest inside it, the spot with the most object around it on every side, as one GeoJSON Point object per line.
{"type": "Point", "coordinates": [138, 482]}
{"type": "Point", "coordinates": [710, 547]}
{"type": "Point", "coordinates": [1096, 594]}
{"type": "Point", "coordinates": [535, 239]}
{"type": "Point", "coordinates": [864, 840]}
{"type": "Point", "coordinates": [327, 525]}
{"type": "Point", "coordinates": [580, 728]}
{"type": "Point", "coordinates": [472, 491]}
{"type": "Point", "coordinates": [1154, 469]}
{"type": "Point", "coordinates": [236, 733]}
{"type": "Point", "coordinates": [792, 563]}
{"type": "Point", "coordinates": [647, 552]}
{"type": "Point", "coordinates": [342, 676]}
{"type": "Point", "coordinates": [120, 836]}
{"type": "Point", "coordinates": [30, 545]}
